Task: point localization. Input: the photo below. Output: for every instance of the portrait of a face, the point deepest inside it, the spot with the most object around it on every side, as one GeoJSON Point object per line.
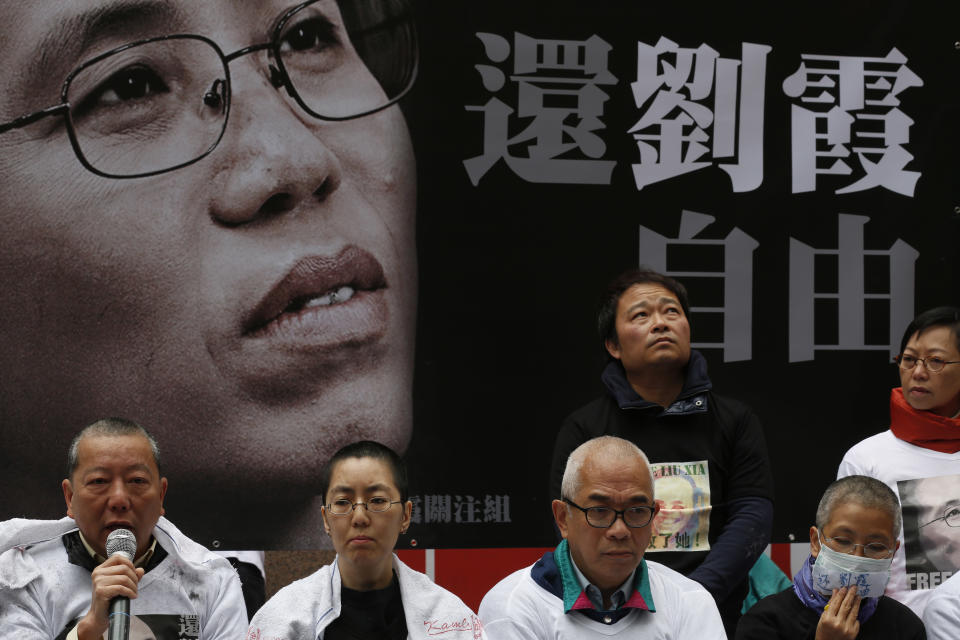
{"type": "Point", "coordinates": [931, 524]}
{"type": "Point", "coordinates": [213, 236]}
{"type": "Point", "coordinates": [939, 520]}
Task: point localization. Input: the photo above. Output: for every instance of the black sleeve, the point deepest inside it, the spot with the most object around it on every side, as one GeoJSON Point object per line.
{"type": "Point", "coordinates": [750, 475]}
{"type": "Point", "coordinates": [745, 536]}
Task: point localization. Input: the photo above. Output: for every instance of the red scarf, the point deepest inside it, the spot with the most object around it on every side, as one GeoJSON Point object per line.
{"type": "Point", "coordinates": [923, 428]}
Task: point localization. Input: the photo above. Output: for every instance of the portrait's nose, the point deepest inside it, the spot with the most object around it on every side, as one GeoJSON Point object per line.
{"type": "Point", "coordinates": [271, 160]}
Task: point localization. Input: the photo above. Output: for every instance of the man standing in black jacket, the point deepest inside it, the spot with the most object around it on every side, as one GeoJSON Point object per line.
{"type": "Point", "coordinates": [707, 452]}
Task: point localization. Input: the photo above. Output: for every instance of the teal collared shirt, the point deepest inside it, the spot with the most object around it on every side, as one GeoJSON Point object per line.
{"type": "Point", "coordinates": [577, 589]}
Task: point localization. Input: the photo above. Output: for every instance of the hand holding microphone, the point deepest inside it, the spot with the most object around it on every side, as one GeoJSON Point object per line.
{"type": "Point", "coordinates": [114, 583]}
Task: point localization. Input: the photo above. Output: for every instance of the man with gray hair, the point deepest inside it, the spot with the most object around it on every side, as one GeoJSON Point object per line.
{"type": "Point", "coordinates": [596, 583]}
{"type": "Point", "coordinates": [57, 578]}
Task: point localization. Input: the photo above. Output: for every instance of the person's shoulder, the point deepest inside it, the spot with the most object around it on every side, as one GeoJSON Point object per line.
{"type": "Point", "coordinates": [602, 404]}
{"type": "Point", "coordinates": [519, 607]}
{"type": "Point", "coordinates": [861, 457]}
{"type": "Point", "coordinates": [29, 549]}
{"type": "Point", "coordinates": [176, 543]}
{"type": "Point", "coordinates": [779, 615]}
{"type": "Point", "coordinates": [725, 405]}
{"type": "Point", "coordinates": [425, 594]}
{"type": "Point", "coordinates": [294, 606]}
{"type": "Point", "coordinates": [892, 606]}
{"type": "Point", "coordinates": [516, 592]}
{"type": "Point", "coordinates": [892, 614]}
{"type": "Point", "coordinates": [22, 532]}
{"type": "Point", "coordinates": [673, 582]}
{"type": "Point", "coordinates": [777, 603]}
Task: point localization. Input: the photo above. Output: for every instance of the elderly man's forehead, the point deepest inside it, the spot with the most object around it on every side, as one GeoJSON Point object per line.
{"type": "Point", "coordinates": [96, 445]}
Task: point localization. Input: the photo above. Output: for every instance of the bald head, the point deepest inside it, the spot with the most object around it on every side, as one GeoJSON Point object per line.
{"type": "Point", "coordinates": [600, 450]}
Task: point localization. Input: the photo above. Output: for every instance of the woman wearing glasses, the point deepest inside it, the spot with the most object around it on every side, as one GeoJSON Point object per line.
{"type": "Point", "coordinates": [921, 449]}
{"type": "Point", "coordinates": [366, 592]}
{"type": "Point", "coordinates": [838, 592]}
{"type": "Point", "coordinates": [207, 224]}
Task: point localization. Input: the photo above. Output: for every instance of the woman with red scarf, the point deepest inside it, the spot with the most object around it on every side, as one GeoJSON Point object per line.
{"type": "Point", "coordinates": [920, 451]}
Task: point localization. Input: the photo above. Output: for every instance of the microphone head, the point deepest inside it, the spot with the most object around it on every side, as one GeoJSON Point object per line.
{"type": "Point", "coordinates": [122, 541]}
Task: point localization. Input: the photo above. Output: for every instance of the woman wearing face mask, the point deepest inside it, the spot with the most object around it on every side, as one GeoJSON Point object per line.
{"type": "Point", "coordinates": [367, 592]}
{"type": "Point", "coordinates": [922, 444]}
{"type": "Point", "coordinates": [838, 592]}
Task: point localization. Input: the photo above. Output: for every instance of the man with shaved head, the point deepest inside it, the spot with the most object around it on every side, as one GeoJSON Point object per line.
{"type": "Point", "coordinates": [58, 578]}
{"type": "Point", "coordinates": [596, 583]}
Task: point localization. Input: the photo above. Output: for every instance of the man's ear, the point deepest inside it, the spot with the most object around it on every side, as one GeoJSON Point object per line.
{"type": "Point", "coordinates": [163, 492]}
{"type": "Point", "coordinates": [560, 513]}
{"type": "Point", "coordinates": [613, 348]}
{"type": "Point", "coordinates": [68, 495]}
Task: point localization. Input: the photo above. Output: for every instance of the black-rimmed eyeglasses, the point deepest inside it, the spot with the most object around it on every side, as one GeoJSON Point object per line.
{"type": "Point", "coordinates": [162, 103]}
{"type": "Point", "coordinates": [604, 517]}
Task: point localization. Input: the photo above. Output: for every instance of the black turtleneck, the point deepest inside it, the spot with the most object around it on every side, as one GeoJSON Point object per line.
{"type": "Point", "coordinates": [369, 615]}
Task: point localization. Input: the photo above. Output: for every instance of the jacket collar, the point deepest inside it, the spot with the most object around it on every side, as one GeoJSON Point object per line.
{"type": "Point", "coordinates": [692, 398]}
{"type": "Point", "coordinates": [554, 572]}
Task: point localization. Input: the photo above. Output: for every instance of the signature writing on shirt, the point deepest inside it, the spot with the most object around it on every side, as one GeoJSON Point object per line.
{"type": "Point", "coordinates": [469, 625]}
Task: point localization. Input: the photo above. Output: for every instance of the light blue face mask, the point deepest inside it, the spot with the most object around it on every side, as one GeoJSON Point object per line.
{"type": "Point", "coordinates": [835, 570]}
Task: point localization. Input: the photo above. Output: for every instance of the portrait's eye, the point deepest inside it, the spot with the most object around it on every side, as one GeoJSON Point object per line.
{"type": "Point", "coordinates": [132, 83]}
{"type": "Point", "coordinates": [601, 512]}
{"type": "Point", "coordinates": [378, 501]}
{"type": "Point", "coordinates": [875, 548]}
{"type": "Point", "coordinates": [952, 512]}
{"type": "Point", "coordinates": [842, 542]}
{"type": "Point", "coordinates": [936, 363]}
{"type": "Point", "coordinates": [315, 33]}
{"type": "Point", "coordinates": [341, 503]}
{"type": "Point", "coordinates": [908, 361]}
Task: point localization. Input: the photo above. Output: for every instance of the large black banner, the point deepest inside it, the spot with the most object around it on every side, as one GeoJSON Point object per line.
{"type": "Point", "coordinates": [301, 285]}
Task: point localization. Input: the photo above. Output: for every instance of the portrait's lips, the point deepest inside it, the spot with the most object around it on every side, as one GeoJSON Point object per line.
{"type": "Point", "coordinates": [619, 554]}
{"type": "Point", "coordinates": [663, 339]}
{"type": "Point", "coordinates": [330, 299]}
{"type": "Point", "coordinates": [918, 391]}
{"type": "Point", "coordinates": [358, 540]}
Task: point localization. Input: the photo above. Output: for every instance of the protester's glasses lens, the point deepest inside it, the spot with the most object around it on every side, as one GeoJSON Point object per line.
{"type": "Point", "coordinates": [149, 106]}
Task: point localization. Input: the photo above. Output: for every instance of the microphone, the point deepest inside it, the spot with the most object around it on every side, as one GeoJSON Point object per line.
{"type": "Point", "coordinates": [122, 542]}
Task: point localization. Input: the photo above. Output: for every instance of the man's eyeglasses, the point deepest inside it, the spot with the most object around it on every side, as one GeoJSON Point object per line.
{"type": "Point", "coordinates": [875, 550]}
{"type": "Point", "coordinates": [162, 103]}
{"type": "Point", "coordinates": [604, 517]}
{"type": "Point", "coordinates": [932, 363]}
{"type": "Point", "coordinates": [376, 504]}
{"type": "Point", "coordinates": [951, 517]}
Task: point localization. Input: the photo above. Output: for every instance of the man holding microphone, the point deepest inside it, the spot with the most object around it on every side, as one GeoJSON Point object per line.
{"type": "Point", "coordinates": [57, 582]}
